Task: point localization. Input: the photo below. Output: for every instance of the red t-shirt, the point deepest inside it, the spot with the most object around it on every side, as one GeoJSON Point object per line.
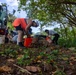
{"type": "Point", "coordinates": [20, 21]}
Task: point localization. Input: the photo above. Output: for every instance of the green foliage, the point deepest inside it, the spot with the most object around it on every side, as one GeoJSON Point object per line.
{"type": "Point", "coordinates": [58, 72]}
{"type": "Point", "coordinates": [53, 56]}
{"type": "Point", "coordinates": [23, 62]}
{"type": "Point", "coordinates": [68, 38]}
{"type": "Point", "coordinates": [9, 52]}
{"type": "Point", "coordinates": [11, 17]}
{"type": "Point", "coordinates": [55, 52]}
{"type": "Point", "coordinates": [10, 26]}
{"type": "Point", "coordinates": [25, 59]}
{"type": "Point", "coordinates": [70, 42]}
{"type": "Point", "coordinates": [43, 54]}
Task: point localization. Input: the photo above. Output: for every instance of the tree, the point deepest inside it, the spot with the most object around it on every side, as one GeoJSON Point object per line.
{"type": "Point", "coordinates": [50, 10]}
{"type": "Point", "coordinates": [11, 17]}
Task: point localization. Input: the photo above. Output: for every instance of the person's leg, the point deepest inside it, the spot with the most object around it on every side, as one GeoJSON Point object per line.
{"type": "Point", "coordinates": [55, 39]}
{"type": "Point", "coordinates": [20, 38]}
{"type": "Point", "coordinates": [20, 35]}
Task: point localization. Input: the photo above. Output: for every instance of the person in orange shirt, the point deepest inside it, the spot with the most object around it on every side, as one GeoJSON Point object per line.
{"type": "Point", "coordinates": [23, 25]}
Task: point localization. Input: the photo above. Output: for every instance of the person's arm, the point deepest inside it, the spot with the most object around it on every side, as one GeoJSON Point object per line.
{"type": "Point", "coordinates": [28, 27]}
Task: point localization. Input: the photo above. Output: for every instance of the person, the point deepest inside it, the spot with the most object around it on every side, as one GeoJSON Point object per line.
{"type": "Point", "coordinates": [14, 38]}
{"type": "Point", "coordinates": [23, 25]}
{"type": "Point", "coordinates": [55, 34]}
{"type": "Point", "coordinates": [6, 34]}
{"type": "Point", "coordinates": [41, 35]}
{"type": "Point", "coordinates": [13, 33]}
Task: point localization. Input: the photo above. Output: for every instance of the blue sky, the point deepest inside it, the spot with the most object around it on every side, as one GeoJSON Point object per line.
{"type": "Point", "coordinates": [13, 4]}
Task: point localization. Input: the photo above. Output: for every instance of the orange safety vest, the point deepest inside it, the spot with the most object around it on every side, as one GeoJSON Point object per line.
{"type": "Point", "coordinates": [20, 21]}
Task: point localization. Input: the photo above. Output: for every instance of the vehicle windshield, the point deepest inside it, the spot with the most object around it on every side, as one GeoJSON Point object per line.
{"type": "Point", "coordinates": [4, 8]}
{"type": "Point", "coordinates": [3, 16]}
{"type": "Point", "coordinates": [3, 12]}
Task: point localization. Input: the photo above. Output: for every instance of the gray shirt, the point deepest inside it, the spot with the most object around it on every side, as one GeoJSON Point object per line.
{"type": "Point", "coordinates": [14, 39]}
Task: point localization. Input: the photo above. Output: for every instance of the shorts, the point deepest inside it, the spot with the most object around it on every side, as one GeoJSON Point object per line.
{"type": "Point", "coordinates": [19, 28]}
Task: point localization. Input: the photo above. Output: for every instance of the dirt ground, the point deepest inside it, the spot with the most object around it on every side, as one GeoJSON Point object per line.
{"type": "Point", "coordinates": [38, 60]}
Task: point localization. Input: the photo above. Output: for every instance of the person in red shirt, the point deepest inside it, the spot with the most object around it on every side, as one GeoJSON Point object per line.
{"type": "Point", "coordinates": [23, 25]}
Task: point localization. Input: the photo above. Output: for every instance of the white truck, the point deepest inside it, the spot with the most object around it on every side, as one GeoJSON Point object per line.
{"type": "Point", "coordinates": [3, 23]}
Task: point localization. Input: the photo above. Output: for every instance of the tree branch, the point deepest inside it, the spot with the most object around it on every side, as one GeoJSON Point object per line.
{"type": "Point", "coordinates": [22, 68]}
{"type": "Point", "coordinates": [64, 2]}
{"type": "Point", "coordinates": [69, 18]}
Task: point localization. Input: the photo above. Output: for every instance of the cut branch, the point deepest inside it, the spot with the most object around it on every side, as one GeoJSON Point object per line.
{"type": "Point", "coordinates": [22, 68]}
